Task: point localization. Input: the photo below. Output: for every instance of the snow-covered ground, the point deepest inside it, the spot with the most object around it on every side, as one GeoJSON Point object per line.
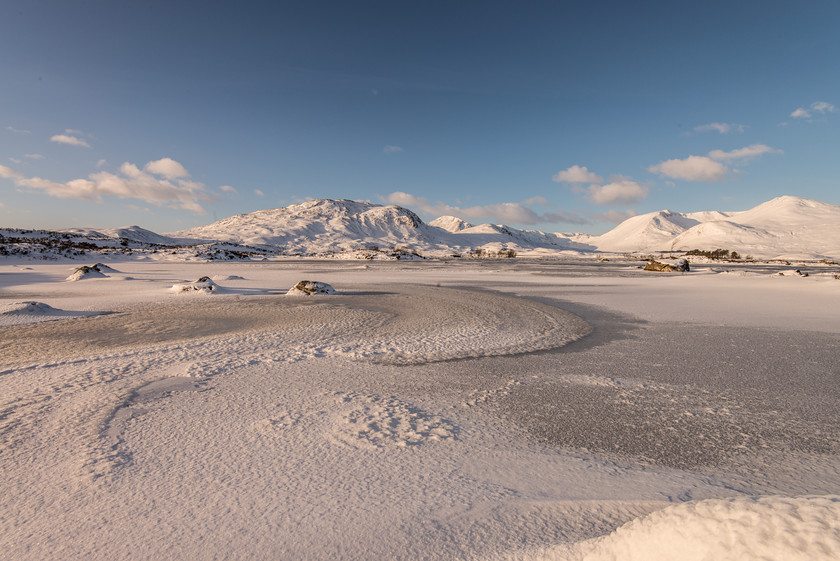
{"type": "Point", "coordinates": [507, 409]}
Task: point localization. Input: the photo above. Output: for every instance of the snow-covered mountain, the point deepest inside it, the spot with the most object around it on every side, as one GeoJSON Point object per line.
{"type": "Point", "coordinates": [328, 226]}
{"type": "Point", "coordinates": [319, 226]}
{"type": "Point", "coordinates": [785, 227]}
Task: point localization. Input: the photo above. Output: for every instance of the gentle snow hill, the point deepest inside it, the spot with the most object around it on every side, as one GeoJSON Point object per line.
{"type": "Point", "coordinates": [783, 226]}
{"type": "Point", "coordinates": [645, 232]}
{"type": "Point", "coordinates": [131, 233]}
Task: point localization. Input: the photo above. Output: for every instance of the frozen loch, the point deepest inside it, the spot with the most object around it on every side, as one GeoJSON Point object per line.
{"type": "Point", "coordinates": [502, 409]}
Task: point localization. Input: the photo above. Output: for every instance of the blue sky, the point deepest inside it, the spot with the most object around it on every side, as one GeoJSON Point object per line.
{"type": "Point", "coordinates": [552, 115]}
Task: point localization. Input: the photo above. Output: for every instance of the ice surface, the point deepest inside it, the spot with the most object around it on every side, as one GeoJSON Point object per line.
{"type": "Point", "coordinates": [409, 416]}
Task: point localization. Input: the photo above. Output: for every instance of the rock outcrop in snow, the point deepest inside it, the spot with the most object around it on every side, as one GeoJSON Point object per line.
{"type": "Point", "coordinates": [204, 285]}
{"type": "Point", "coordinates": [88, 272]}
{"type": "Point", "coordinates": [309, 288]}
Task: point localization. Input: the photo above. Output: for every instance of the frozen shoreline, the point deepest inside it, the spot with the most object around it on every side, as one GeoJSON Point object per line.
{"type": "Point", "coordinates": [287, 437]}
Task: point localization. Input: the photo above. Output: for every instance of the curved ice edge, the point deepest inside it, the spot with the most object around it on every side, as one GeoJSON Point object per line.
{"type": "Point", "coordinates": [572, 328]}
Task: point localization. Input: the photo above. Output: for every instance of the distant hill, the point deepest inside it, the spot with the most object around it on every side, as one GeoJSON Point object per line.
{"type": "Point", "coordinates": [785, 227]}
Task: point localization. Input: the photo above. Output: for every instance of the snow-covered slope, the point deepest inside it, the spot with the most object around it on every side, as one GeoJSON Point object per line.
{"type": "Point", "coordinates": [785, 227]}
{"type": "Point", "coordinates": [644, 232]}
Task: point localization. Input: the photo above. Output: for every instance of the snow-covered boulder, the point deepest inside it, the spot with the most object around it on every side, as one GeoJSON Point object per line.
{"type": "Point", "coordinates": [308, 288]}
{"type": "Point", "coordinates": [88, 272]}
{"type": "Point", "coordinates": [204, 285]}
{"type": "Point", "coordinates": [682, 265]}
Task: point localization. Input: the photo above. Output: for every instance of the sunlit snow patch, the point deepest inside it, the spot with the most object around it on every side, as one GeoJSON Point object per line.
{"type": "Point", "coordinates": [766, 528]}
{"type": "Point", "coordinates": [309, 288]}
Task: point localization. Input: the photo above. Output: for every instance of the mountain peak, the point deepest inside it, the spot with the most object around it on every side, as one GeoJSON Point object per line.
{"type": "Point", "coordinates": [450, 223]}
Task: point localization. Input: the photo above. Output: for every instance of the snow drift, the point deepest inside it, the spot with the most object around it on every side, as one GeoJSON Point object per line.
{"type": "Point", "coordinates": [766, 528]}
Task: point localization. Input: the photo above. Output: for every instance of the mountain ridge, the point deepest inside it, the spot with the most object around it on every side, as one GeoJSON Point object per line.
{"type": "Point", "coordinates": [784, 227]}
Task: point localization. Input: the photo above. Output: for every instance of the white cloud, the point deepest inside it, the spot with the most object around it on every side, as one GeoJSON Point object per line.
{"type": "Point", "coordinates": [167, 167]}
{"type": "Point", "coordinates": [132, 184]}
{"type": "Point", "coordinates": [576, 174]}
{"type": "Point", "coordinates": [8, 173]}
{"type": "Point", "coordinates": [15, 160]}
{"type": "Point", "coordinates": [514, 213]}
{"type": "Point", "coordinates": [259, 193]}
{"type": "Point", "coordinates": [100, 163]}
{"type": "Point", "coordinates": [693, 168]}
{"type": "Point", "coordinates": [73, 131]}
{"type": "Point", "coordinates": [619, 191]}
{"type": "Point", "coordinates": [722, 128]}
{"type": "Point", "coordinates": [227, 189]}
{"type": "Point", "coordinates": [821, 107]}
{"type": "Point", "coordinates": [71, 140]}
{"type": "Point", "coordinates": [18, 131]}
{"type": "Point", "coordinates": [615, 216]}
{"type": "Point", "coordinates": [751, 151]}
{"type": "Point", "coordinates": [34, 156]}
{"type": "Point", "coordinates": [392, 149]}
{"type": "Point", "coordinates": [542, 201]}
{"type": "Point", "coordinates": [709, 168]}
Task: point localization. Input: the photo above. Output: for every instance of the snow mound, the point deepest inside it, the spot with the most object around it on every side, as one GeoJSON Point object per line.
{"type": "Point", "coordinates": [204, 285]}
{"type": "Point", "coordinates": [372, 421]}
{"type": "Point", "coordinates": [308, 288]}
{"type": "Point", "coordinates": [227, 278]}
{"type": "Point", "coordinates": [18, 313]}
{"type": "Point", "coordinates": [89, 272]}
{"type": "Point", "coordinates": [28, 307]}
{"type": "Point", "coordinates": [765, 528]}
